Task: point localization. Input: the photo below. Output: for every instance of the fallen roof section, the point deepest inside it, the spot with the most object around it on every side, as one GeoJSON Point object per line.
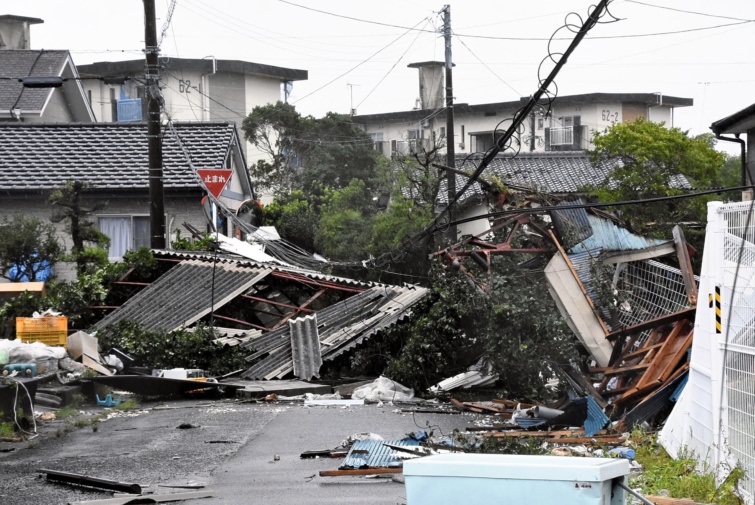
{"type": "Point", "coordinates": [341, 327]}
{"type": "Point", "coordinates": [185, 294]}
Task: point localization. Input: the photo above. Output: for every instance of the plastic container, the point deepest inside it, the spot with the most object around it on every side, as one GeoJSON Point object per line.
{"type": "Point", "coordinates": [50, 330]}
{"type": "Point", "coordinates": [622, 452]}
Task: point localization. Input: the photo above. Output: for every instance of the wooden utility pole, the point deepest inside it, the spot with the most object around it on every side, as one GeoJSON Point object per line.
{"type": "Point", "coordinates": [450, 142]}
{"type": "Point", "coordinates": [152, 77]}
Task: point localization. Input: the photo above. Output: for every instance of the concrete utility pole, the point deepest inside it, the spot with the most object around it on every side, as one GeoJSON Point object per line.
{"type": "Point", "coordinates": [450, 141]}
{"type": "Point", "coordinates": [156, 198]}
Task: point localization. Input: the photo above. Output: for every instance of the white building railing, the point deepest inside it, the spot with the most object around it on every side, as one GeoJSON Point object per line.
{"type": "Point", "coordinates": [562, 136]}
{"type": "Point", "coordinates": [714, 418]}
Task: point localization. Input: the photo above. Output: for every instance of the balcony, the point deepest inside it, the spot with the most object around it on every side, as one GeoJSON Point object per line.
{"type": "Point", "coordinates": [562, 136]}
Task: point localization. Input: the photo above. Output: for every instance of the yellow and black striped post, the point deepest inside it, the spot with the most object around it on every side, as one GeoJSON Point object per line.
{"type": "Point", "coordinates": [715, 300]}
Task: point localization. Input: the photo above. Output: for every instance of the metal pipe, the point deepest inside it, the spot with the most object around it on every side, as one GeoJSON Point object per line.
{"type": "Point", "coordinates": [544, 412]}
{"type": "Point", "coordinates": [634, 493]}
{"type": "Point", "coordinates": [743, 155]}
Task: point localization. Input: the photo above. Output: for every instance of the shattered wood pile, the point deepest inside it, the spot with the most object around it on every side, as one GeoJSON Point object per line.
{"type": "Point", "coordinates": [637, 373]}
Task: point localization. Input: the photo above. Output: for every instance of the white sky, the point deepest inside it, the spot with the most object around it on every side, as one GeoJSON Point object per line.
{"type": "Point", "coordinates": [715, 67]}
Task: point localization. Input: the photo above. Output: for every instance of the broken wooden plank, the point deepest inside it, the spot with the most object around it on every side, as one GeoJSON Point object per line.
{"type": "Point", "coordinates": [665, 500]}
{"type": "Point", "coordinates": [512, 404]}
{"type": "Point", "coordinates": [653, 323]}
{"type": "Point", "coordinates": [685, 265]}
{"type": "Point", "coordinates": [359, 471]}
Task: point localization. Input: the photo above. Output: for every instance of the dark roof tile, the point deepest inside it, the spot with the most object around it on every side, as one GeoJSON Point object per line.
{"type": "Point", "coordinates": [108, 155]}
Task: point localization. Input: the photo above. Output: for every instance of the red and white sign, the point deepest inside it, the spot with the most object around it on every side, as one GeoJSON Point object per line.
{"type": "Point", "coordinates": [215, 179]}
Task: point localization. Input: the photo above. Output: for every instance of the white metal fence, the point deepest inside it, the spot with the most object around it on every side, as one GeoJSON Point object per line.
{"type": "Point", "coordinates": [715, 416]}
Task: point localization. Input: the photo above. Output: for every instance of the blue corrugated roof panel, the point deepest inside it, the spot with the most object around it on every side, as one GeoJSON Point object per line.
{"type": "Point", "coordinates": [596, 418]}
{"type": "Point", "coordinates": [375, 454]}
{"type": "Point", "coordinates": [608, 236]}
{"type": "Point", "coordinates": [678, 391]}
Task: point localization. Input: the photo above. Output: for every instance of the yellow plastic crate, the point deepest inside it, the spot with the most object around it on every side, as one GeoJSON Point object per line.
{"type": "Point", "coordinates": [50, 330]}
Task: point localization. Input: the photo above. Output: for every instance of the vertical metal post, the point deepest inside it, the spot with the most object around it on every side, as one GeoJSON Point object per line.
{"type": "Point", "coordinates": [450, 146]}
{"type": "Point", "coordinates": [156, 199]}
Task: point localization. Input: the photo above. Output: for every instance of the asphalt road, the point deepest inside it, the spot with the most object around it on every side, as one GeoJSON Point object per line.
{"type": "Point", "coordinates": [231, 448]}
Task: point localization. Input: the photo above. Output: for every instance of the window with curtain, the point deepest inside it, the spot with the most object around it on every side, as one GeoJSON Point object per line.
{"type": "Point", "coordinates": [118, 229]}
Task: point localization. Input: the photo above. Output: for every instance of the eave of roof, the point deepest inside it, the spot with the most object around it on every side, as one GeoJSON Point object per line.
{"type": "Point", "coordinates": [739, 122]}
{"type": "Point", "coordinates": [204, 65]}
{"type": "Point", "coordinates": [465, 108]}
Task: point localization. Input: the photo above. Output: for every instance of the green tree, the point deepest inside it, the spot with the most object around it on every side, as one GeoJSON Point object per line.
{"type": "Point", "coordinates": [345, 222]}
{"type": "Point", "coordinates": [731, 172]}
{"type": "Point", "coordinates": [516, 326]}
{"type": "Point", "coordinates": [28, 248]}
{"type": "Point", "coordinates": [68, 206]}
{"type": "Point", "coordinates": [649, 160]}
{"type": "Point", "coordinates": [304, 151]}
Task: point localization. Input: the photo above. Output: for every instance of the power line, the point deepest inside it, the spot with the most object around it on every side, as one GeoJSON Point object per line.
{"type": "Point", "coordinates": [461, 39]}
{"type": "Point", "coordinates": [525, 39]}
{"type": "Point", "coordinates": [357, 65]}
{"type": "Point", "coordinates": [392, 67]}
{"type": "Point", "coordinates": [686, 11]}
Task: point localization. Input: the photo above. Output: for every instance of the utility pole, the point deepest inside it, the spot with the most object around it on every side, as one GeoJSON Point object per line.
{"type": "Point", "coordinates": [352, 112]}
{"type": "Point", "coordinates": [156, 198]}
{"type": "Point", "coordinates": [450, 145]}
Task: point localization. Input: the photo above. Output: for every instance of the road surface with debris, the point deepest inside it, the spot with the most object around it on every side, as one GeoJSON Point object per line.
{"type": "Point", "coordinates": [241, 452]}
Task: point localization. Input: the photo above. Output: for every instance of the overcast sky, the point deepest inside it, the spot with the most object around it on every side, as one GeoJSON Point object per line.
{"type": "Point", "coordinates": [357, 52]}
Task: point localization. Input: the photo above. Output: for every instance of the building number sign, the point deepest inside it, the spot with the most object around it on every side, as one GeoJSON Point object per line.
{"type": "Point", "coordinates": [610, 116]}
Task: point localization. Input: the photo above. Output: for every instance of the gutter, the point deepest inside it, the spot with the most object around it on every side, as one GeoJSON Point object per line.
{"type": "Point", "coordinates": [743, 155]}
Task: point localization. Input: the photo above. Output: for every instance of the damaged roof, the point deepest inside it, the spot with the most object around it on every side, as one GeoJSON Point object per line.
{"type": "Point", "coordinates": [270, 301]}
{"type": "Point", "coordinates": [185, 294]}
{"type": "Point", "coordinates": [341, 327]}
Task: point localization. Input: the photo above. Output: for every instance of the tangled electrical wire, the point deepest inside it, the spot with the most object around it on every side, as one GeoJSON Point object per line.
{"type": "Point", "coordinates": [507, 133]}
{"type": "Point", "coordinates": [507, 138]}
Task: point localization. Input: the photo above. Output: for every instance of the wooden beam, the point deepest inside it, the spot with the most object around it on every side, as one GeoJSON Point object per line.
{"type": "Point", "coordinates": [685, 264]}
{"type": "Point", "coordinates": [653, 323]}
{"type": "Point", "coordinates": [359, 471]}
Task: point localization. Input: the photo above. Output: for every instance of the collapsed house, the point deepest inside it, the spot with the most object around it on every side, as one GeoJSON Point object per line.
{"type": "Point", "coordinates": [631, 313]}
{"type": "Point", "coordinates": [291, 319]}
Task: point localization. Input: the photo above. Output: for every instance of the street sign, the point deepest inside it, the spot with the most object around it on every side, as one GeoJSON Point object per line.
{"type": "Point", "coordinates": [215, 179]}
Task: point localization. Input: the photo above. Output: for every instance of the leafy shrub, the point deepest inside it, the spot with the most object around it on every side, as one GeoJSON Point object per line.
{"type": "Point", "coordinates": [178, 349]}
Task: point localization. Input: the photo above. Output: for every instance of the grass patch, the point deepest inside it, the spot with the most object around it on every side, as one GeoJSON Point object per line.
{"type": "Point", "coordinates": [66, 412]}
{"type": "Point", "coordinates": [678, 476]}
{"type": "Point", "coordinates": [129, 404]}
{"type": "Point", "coordinates": [7, 430]}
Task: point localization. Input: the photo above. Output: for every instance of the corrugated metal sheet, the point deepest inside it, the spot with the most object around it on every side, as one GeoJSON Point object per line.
{"type": "Point", "coordinates": [226, 258]}
{"type": "Point", "coordinates": [341, 327]}
{"type": "Point", "coordinates": [596, 418]}
{"type": "Point", "coordinates": [232, 337]}
{"type": "Point", "coordinates": [573, 225]}
{"type": "Point", "coordinates": [305, 347]}
{"type": "Point", "coordinates": [678, 391]}
{"type": "Point", "coordinates": [374, 454]}
{"type": "Point", "coordinates": [529, 422]}
{"type": "Point", "coordinates": [609, 236]}
{"type": "Point", "coordinates": [185, 294]}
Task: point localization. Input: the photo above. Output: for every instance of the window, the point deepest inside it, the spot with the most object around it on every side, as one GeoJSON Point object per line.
{"type": "Point", "coordinates": [540, 123]}
{"type": "Point", "coordinates": [377, 141]}
{"type": "Point", "coordinates": [126, 233]}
